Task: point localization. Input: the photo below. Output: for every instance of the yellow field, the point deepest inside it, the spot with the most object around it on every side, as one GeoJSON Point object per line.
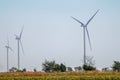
{"type": "Point", "coordinates": [94, 75]}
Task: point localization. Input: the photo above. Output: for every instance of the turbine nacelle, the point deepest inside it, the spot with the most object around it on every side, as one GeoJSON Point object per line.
{"type": "Point", "coordinates": [83, 25]}
{"type": "Point", "coordinates": [7, 46]}
{"type": "Point", "coordinates": [17, 37]}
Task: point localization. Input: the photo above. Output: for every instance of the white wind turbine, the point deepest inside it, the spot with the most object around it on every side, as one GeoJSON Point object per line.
{"type": "Point", "coordinates": [85, 30]}
{"type": "Point", "coordinates": [18, 38]}
{"type": "Point", "coordinates": [8, 47]}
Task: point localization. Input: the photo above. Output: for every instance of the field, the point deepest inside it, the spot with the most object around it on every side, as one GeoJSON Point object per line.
{"type": "Point", "coordinates": [94, 75]}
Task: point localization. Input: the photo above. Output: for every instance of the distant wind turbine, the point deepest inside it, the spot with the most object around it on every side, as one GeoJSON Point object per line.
{"type": "Point", "coordinates": [8, 47]}
{"type": "Point", "coordinates": [18, 38]}
{"type": "Point", "coordinates": [85, 30]}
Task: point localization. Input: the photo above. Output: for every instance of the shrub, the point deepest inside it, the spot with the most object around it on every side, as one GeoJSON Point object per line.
{"type": "Point", "coordinates": [88, 68]}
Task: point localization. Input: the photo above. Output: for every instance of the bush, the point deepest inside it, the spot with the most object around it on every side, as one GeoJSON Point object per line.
{"type": "Point", "coordinates": [116, 66]}
{"type": "Point", "coordinates": [51, 66]}
{"type": "Point", "coordinates": [62, 67]}
{"type": "Point", "coordinates": [88, 68]}
{"type": "Point", "coordinates": [69, 69]}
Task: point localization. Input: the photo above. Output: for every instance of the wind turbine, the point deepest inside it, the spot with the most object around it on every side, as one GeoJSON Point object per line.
{"type": "Point", "coordinates": [18, 38]}
{"type": "Point", "coordinates": [85, 30]}
{"type": "Point", "coordinates": [8, 47]}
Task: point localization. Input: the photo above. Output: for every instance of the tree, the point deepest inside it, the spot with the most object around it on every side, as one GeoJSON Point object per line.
{"type": "Point", "coordinates": [62, 67]}
{"type": "Point", "coordinates": [34, 70]}
{"type": "Point", "coordinates": [56, 67]}
{"type": "Point", "coordinates": [48, 66]}
{"type": "Point", "coordinates": [24, 70]}
{"type": "Point", "coordinates": [116, 66]}
{"type": "Point", "coordinates": [88, 68]}
{"type": "Point", "coordinates": [52, 66]}
{"type": "Point", "coordinates": [13, 69]}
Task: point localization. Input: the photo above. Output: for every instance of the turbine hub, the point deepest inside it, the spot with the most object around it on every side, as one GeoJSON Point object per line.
{"type": "Point", "coordinates": [7, 46]}
{"type": "Point", "coordinates": [17, 38]}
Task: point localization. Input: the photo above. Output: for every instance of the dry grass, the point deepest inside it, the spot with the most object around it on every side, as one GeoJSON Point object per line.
{"type": "Point", "coordinates": [90, 75]}
{"type": "Point", "coordinates": [57, 73]}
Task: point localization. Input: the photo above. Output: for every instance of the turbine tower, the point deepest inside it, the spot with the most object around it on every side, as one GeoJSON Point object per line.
{"type": "Point", "coordinates": [19, 42]}
{"type": "Point", "coordinates": [8, 47]}
{"type": "Point", "coordinates": [85, 31]}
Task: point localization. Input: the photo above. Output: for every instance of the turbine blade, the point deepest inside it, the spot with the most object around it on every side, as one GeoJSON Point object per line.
{"type": "Point", "coordinates": [22, 46]}
{"type": "Point", "coordinates": [11, 49]}
{"type": "Point", "coordinates": [21, 31]}
{"type": "Point", "coordinates": [88, 38]}
{"type": "Point", "coordinates": [77, 20]}
{"type": "Point", "coordinates": [92, 17]}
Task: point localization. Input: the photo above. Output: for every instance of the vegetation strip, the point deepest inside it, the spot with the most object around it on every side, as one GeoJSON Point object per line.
{"type": "Point", "coordinates": [91, 75]}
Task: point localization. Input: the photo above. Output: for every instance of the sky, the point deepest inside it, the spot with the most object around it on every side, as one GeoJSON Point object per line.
{"type": "Point", "coordinates": [50, 33]}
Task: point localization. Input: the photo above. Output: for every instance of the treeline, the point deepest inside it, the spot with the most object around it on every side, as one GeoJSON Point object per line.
{"type": "Point", "coordinates": [52, 66]}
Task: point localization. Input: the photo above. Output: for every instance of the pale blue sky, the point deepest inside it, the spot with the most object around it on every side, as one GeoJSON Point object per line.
{"type": "Point", "coordinates": [49, 32]}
